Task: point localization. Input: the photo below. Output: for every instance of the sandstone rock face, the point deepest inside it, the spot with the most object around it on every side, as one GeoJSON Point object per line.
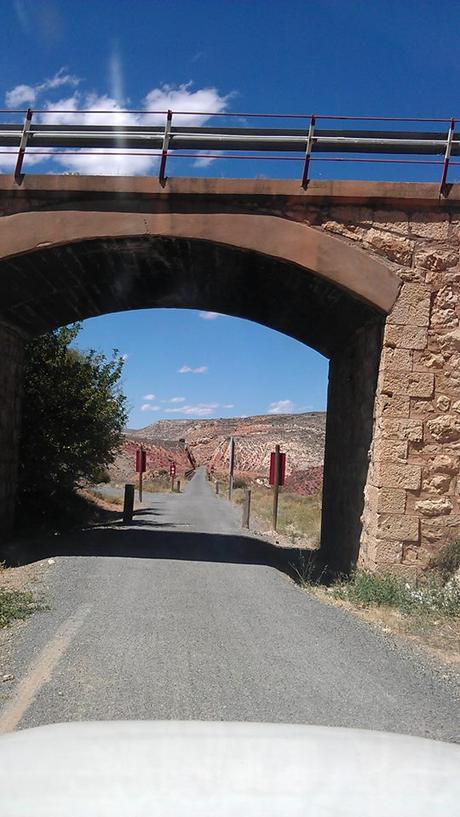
{"type": "Point", "coordinates": [301, 437]}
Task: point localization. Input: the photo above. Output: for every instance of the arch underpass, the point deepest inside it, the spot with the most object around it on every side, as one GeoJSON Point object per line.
{"type": "Point", "coordinates": [73, 248]}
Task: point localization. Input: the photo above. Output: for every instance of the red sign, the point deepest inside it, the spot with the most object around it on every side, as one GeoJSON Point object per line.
{"type": "Point", "coordinates": [141, 461]}
{"type": "Point", "coordinates": [282, 469]}
{"type": "Point", "coordinates": [172, 469]}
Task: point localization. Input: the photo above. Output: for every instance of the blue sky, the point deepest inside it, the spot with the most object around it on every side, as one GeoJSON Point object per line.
{"type": "Point", "coordinates": [332, 56]}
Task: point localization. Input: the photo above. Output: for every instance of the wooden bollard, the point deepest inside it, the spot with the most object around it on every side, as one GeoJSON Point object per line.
{"type": "Point", "coordinates": [178, 486]}
{"type": "Point", "coordinates": [217, 488]}
{"type": "Point", "coordinates": [128, 503]}
{"type": "Point", "coordinates": [246, 509]}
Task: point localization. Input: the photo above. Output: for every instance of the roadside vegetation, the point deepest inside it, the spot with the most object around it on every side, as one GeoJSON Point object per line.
{"type": "Point", "coordinates": [16, 604]}
{"type": "Point", "coordinates": [74, 413]}
{"type": "Point", "coordinates": [428, 610]}
{"type": "Point", "coordinates": [299, 517]}
{"type": "Point", "coordinates": [99, 496]}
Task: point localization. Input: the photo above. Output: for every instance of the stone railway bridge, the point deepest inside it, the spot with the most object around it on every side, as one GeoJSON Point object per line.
{"type": "Point", "coordinates": [368, 274]}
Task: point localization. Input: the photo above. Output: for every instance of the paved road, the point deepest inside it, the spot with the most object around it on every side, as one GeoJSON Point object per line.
{"type": "Point", "coordinates": [179, 616]}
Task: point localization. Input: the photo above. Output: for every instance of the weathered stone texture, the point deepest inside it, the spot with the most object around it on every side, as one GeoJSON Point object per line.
{"type": "Point", "coordinates": [412, 500]}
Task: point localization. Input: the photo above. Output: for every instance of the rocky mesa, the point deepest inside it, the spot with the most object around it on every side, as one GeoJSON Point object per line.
{"type": "Point", "coordinates": [301, 436]}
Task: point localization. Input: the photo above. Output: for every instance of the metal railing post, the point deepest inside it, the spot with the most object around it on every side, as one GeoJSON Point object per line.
{"type": "Point", "coordinates": [18, 175]}
{"type": "Point", "coordinates": [308, 149]}
{"type": "Point", "coordinates": [445, 166]}
{"type": "Point", "coordinates": [164, 150]}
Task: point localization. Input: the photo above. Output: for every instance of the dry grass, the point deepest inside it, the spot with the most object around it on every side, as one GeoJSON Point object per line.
{"type": "Point", "coordinates": [107, 499]}
{"type": "Point", "coordinates": [299, 517]}
{"type": "Point", "coordinates": [440, 635]}
{"type": "Point", "coordinates": [427, 613]}
{"type": "Point", "coordinates": [160, 485]}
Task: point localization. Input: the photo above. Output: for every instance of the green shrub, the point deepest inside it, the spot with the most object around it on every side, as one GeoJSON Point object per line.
{"type": "Point", "coordinates": [101, 475]}
{"type": "Point", "coordinates": [73, 418]}
{"type": "Point", "coordinates": [447, 561]}
{"type": "Point", "coordinates": [370, 589]}
{"type": "Point", "coordinates": [239, 483]}
{"type": "Point", "coordinates": [14, 604]}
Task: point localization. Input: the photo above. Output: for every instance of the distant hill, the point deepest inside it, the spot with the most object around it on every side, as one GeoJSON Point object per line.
{"type": "Point", "coordinates": [301, 436]}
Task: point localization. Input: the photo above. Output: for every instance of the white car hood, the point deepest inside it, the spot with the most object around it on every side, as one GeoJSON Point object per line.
{"type": "Point", "coordinates": [195, 769]}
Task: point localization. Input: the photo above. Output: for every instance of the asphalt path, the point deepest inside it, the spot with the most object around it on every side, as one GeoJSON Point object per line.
{"type": "Point", "coordinates": [180, 616]}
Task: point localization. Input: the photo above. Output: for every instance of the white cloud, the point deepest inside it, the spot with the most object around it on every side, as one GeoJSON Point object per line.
{"type": "Point", "coordinates": [174, 400]}
{"type": "Point", "coordinates": [281, 407]}
{"type": "Point", "coordinates": [182, 98]}
{"type": "Point", "coordinates": [117, 161]}
{"type": "Point", "coordinates": [209, 316]}
{"type": "Point", "coordinates": [21, 94]}
{"type": "Point", "coordinates": [149, 407]}
{"type": "Point", "coordinates": [206, 159]}
{"type": "Point", "coordinates": [198, 410]}
{"type": "Point", "coordinates": [8, 159]}
{"type": "Point", "coordinates": [190, 370]}
{"type": "Point", "coordinates": [228, 405]}
{"type": "Point", "coordinates": [149, 397]}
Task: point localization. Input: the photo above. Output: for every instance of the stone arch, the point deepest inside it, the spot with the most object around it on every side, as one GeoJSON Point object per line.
{"type": "Point", "coordinates": [62, 265]}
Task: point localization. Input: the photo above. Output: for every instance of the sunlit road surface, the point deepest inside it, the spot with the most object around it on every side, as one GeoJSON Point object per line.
{"type": "Point", "coordinates": [178, 617]}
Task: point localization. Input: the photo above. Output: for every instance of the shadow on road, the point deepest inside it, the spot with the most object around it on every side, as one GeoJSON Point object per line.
{"type": "Point", "coordinates": [138, 543]}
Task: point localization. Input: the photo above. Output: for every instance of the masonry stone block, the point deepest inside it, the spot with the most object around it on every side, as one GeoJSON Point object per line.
{"type": "Point", "coordinates": [437, 259]}
{"type": "Point", "coordinates": [391, 221]}
{"type": "Point", "coordinates": [391, 246]}
{"type": "Point", "coordinates": [397, 359]}
{"type": "Point", "coordinates": [405, 337]}
{"type": "Point", "coordinates": [385, 552]}
{"type": "Point", "coordinates": [400, 429]}
{"type": "Point", "coordinates": [414, 384]}
{"type": "Point", "coordinates": [445, 428]}
{"type": "Point", "coordinates": [412, 306]}
{"type": "Point", "coordinates": [397, 475]}
{"type": "Point", "coordinates": [393, 451]}
{"type": "Point", "coordinates": [393, 405]}
{"type": "Point", "coordinates": [400, 527]}
{"type": "Point", "coordinates": [391, 500]}
{"type": "Point", "coordinates": [435, 227]}
{"type": "Point", "coordinates": [434, 507]}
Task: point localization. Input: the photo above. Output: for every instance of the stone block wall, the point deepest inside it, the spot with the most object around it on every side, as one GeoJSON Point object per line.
{"type": "Point", "coordinates": [11, 366]}
{"type": "Point", "coordinates": [411, 506]}
{"type": "Point", "coordinates": [353, 373]}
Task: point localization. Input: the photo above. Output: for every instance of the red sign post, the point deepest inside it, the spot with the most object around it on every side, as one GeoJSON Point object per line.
{"type": "Point", "coordinates": [276, 478]}
{"type": "Point", "coordinates": [141, 461]}
{"type": "Point", "coordinates": [141, 467]}
{"type": "Point", "coordinates": [282, 469]}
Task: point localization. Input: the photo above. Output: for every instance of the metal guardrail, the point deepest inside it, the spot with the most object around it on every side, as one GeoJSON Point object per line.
{"type": "Point", "coordinates": [309, 142]}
